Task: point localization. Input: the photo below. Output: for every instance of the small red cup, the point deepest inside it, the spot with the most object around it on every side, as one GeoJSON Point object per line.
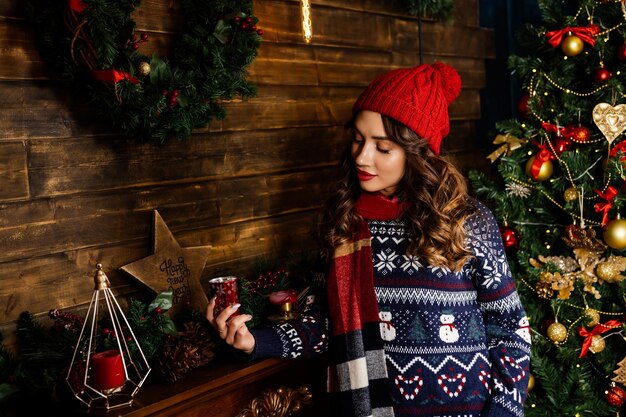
{"type": "Point", "coordinates": [226, 292]}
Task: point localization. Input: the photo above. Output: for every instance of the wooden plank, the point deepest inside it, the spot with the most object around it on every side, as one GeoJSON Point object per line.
{"type": "Point", "coordinates": [66, 279]}
{"type": "Point", "coordinates": [193, 205]}
{"type": "Point", "coordinates": [443, 39]}
{"type": "Point", "coordinates": [13, 171]}
{"type": "Point", "coordinates": [106, 219]}
{"type": "Point", "coordinates": [18, 57]}
{"type": "Point", "coordinates": [82, 164]}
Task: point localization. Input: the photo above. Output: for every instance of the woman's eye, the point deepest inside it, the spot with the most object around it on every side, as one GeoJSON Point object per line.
{"type": "Point", "coordinates": [357, 139]}
{"type": "Point", "coordinates": [385, 151]}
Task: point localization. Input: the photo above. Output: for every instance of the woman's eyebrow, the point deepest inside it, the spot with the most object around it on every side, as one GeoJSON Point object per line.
{"type": "Point", "coordinates": [384, 137]}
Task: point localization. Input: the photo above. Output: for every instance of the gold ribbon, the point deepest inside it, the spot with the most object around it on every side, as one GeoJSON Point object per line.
{"type": "Point", "coordinates": [509, 144]}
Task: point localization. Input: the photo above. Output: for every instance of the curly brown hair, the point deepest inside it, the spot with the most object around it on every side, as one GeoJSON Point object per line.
{"type": "Point", "coordinates": [438, 194]}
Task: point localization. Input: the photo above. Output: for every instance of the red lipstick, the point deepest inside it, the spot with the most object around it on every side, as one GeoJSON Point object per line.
{"type": "Point", "coordinates": [364, 175]}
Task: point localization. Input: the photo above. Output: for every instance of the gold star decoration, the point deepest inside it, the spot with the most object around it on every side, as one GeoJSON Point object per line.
{"type": "Point", "coordinates": [171, 267]}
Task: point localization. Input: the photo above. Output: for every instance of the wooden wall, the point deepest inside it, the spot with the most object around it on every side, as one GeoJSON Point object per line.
{"type": "Point", "coordinates": [74, 193]}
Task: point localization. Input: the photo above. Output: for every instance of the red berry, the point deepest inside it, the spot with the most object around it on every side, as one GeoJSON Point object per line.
{"type": "Point", "coordinates": [158, 310]}
{"type": "Point", "coordinates": [260, 32]}
{"type": "Point", "coordinates": [253, 27]}
{"type": "Point", "coordinates": [106, 331]}
{"type": "Point", "coordinates": [165, 93]}
{"type": "Point", "coordinates": [144, 36]}
{"type": "Point", "coordinates": [244, 25]}
{"type": "Point", "coordinates": [237, 19]}
{"type": "Point", "coordinates": [134, 46]}
{"type": "Point", "coordinates": [175, 93]}
{"type": "Point", "coordinates": [249, 19]}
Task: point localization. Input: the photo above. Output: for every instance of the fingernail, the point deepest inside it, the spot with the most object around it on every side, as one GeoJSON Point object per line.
{"type": "Point", "coordinates": [236, 306]}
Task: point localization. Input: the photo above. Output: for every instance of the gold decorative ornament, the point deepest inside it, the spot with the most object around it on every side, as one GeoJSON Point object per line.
{"type": "Point", "coordinates": [615, 234]}
{"type": "Point", "coordinates": [545, 171]}
{"type": "Point", "coordinates": [557, 332]}
{"type": "Point", "coordinates": [531, 382]}
{"type": "Point", "coordinates": [593, 316]}
{"type": "Point", "coordinates": [172, 268]}
{"type": "Point", "coordinates": [570, 194]}
{"type": "Point", "coordinates": [508, 143]}
{"type": "Point", "coordinates": [572, 45]}
{"type": "Point", "coordinates": [610, 120]}
{"type": "Point", "coordinates": [281, 402]}
{"type": "Point", "coordinates": [610, 269]}
{"type": "Point", "coordinates": [620, 372]}
{"type": "Point", "coordinates": [143, 69]}
{"type": "Point", "coordinates": [597, 344]}
{"type": "Point", "coordinates": [581, 237]}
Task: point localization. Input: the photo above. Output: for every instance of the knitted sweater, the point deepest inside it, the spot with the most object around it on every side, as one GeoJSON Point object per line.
{"type": "Point", "coordinates": [456, 344]}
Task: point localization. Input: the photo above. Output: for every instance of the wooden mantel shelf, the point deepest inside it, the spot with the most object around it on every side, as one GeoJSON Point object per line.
{"type": "Point", "coordinates": [223, 389]}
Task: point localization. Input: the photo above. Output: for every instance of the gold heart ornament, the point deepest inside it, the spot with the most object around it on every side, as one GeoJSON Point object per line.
{"type": "Point", "coordinates": [610, 120]}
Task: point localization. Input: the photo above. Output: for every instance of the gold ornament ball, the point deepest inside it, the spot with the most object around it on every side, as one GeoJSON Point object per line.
{"type": "Point", "coordinates": [597, 344]}
{"type": "Point", "coordinates": [557, 332]}
{"type": "Point", "coordinates": [531, 382]}
{"type": "Point", "coordinates": [593, 316]}
{"type": "Point", "coordinates": [572, 45]}
{"type": "Point", "coordinates": [570, 194]}
{"type": "Point", "coordinates": [545, 172]}
{"type": "Point", "coordinates": [607, 271]}
{"type": "Point", "coordinates": [143, 69]}
{"type": "Point", "coordinates": [615, 234]}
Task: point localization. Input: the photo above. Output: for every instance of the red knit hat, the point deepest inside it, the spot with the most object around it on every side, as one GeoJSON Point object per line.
{"type": "Point", "coordinates": [417, 97]}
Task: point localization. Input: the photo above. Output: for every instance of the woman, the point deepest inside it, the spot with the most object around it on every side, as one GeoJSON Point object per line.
{"type": "Point", "coordinates": [423, 315]}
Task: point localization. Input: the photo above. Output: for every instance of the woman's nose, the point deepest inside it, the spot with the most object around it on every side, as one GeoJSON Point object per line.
{"type": "Point", "coordinates": [362, 155]}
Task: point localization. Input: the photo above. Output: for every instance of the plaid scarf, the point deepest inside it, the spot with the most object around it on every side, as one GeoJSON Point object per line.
{"type": "Point", "coordinates": [357, 374]}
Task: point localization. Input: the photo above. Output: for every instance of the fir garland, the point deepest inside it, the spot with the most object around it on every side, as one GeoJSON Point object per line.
{"type": "Point", "coordinates": [434, 9]}
{"type": "Point", "coordinates": [92, 44]}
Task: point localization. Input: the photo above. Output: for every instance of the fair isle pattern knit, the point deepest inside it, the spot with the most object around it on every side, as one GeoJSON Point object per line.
{"type": "Point", "coordinates": [456, 344]}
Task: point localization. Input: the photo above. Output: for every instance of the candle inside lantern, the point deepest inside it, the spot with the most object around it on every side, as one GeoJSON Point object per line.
{"type": "Point", "coordinates": [107, 370]}
{"type": "Point", "coordinates": [284, 299]}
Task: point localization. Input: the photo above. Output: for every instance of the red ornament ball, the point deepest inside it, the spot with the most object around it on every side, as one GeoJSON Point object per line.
{"type": "Point", "coordinates": [158, 310]}
{"type": "Point", "coordinates": [522, 106]}
{"type": "Point", "coordinates": [581, 134]}
{"type": "Point", "coordinates": [621, 52]}
{"type": "Point", "coordinates": [561, 145]}
{"type": "Point", "coordinates": [510, 237]}
{"type": "Point", "coordinates": [615, 396]}
{"type": "Point", "coordinates": [602, 76]}
{"type": "Point", "coordinates": [259, 32]}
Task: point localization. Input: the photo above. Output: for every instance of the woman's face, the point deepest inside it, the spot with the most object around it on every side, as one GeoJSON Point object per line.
{"type": "Point", "coordinates": [379, 161]}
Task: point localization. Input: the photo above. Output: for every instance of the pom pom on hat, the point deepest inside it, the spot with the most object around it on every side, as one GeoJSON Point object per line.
{"type": "Point", "coordinates": [450, 81]}
{"type": "Point", "coordinates": [418, 97]}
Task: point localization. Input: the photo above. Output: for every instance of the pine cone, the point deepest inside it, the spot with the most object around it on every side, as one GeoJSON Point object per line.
{"type": "Point", "coordinates": [192, 348]}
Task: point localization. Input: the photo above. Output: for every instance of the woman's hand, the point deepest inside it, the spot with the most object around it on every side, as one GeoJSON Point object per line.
{"type": "Point", "coordinates": [233, 330]}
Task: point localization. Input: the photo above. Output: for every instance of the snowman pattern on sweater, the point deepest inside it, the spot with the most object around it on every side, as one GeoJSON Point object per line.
{"type": "Point", "coordinates": [460, 339]}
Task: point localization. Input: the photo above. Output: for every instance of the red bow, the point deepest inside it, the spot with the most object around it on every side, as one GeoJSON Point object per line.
{"type": "Point", "coordinates": [599, 329]}
{"type": "Point", "coordinates": [609, 195]}
{"type": "Point", "coordinates": [586, 33]}
{"type": "Point", "coordinates": [78, 6]}
{"type": "Point", "coordinates": [567, 131]}
{"type": "Point", "coordinates": [113, 76]}
{"type": "Point", "coordinates": [620, 147]}
{"type": "Point", "coordinates": [543, 156]}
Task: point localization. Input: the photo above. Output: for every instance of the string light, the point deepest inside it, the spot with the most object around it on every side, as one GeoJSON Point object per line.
{"type": "Point", "coordinates": [307, 25]}
{"type": "Point", "coordinates": [549, 197]}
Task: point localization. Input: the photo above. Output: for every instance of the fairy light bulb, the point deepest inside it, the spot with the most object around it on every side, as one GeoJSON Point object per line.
{"type": "Point", "coordinates": [307, 25]}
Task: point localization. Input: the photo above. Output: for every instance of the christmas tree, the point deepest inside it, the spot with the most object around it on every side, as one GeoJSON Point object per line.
{"type": "Point", "coordinates": [558, 192]}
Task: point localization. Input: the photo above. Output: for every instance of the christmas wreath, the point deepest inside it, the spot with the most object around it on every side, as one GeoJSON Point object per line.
{"type": "Point", "coordinates": [93, 44]}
